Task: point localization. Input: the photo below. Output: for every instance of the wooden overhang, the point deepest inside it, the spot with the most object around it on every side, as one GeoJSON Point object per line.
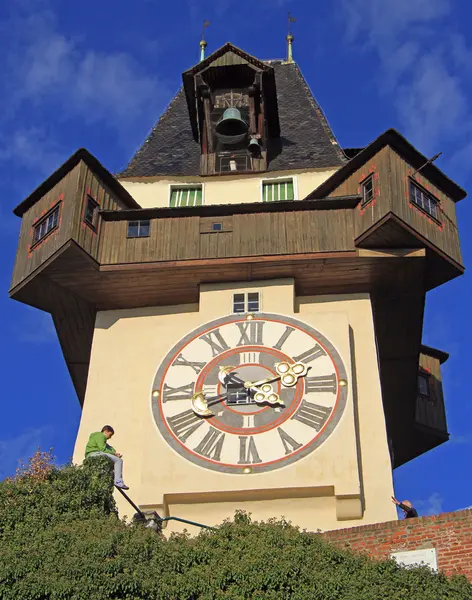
{"type": "Point", "coordinates": [416, 159]}
{"type": "Point", "coordinates": [81, 154]}
{"type": "Point", "coordinates": [435, 353]}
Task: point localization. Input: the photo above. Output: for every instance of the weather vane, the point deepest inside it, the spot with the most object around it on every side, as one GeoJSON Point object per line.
{"type": "Point", "coordinates": [290, 21]}
{"type": "Point", "coordinates": [290, 38]}
{"type": "Point", "coordinates": [205, 25]}
{"type": "Point", "coordinates": [203, 43]}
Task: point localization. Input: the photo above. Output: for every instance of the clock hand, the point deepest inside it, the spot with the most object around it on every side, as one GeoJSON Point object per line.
{"type": "Point", "coordinates": [200, 404]}
{"type": "Point", "coordinates": [287, 373]}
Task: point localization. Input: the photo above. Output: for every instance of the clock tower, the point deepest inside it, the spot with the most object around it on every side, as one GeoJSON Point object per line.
{"type": "Point", "coordinates": [244, 302]}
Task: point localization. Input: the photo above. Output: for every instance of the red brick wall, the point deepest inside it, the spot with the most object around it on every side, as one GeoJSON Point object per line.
{"type": "Point", "coordinates": [449, 533]}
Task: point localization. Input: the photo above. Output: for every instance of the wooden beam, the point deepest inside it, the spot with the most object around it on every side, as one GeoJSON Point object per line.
{"type": "Point", "coordinates": [215, 262]}
{"type": "Point", "coordinates": [392, 253]}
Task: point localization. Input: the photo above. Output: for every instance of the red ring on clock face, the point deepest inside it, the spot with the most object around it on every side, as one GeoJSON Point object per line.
{"type": "Point", "coordinates": [293, 396]}
{"type": "Point", "coordinates": [200, 440]}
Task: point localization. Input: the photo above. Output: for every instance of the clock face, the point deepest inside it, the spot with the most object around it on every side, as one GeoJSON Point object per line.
{"type": "Point", "coordinates": [249, 393]}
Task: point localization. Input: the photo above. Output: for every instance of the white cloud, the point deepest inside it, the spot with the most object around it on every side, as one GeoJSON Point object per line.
{"type": "Point", "coordinates": [419, 67]}
{"type": "Point", "coordinates": [52, 77]}
{"type": "Point", "coordinates": [432, 506]}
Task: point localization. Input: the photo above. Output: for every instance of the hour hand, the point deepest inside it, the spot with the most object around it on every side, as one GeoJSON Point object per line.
{"type": "Point", "coordinates": [200, 405]}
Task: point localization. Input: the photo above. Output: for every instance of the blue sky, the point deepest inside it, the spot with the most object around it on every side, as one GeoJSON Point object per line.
{"type": "Point", "coordinates": [99, 74]}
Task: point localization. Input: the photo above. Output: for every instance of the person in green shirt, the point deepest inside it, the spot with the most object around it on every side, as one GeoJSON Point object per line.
{"type": "Point", "coordinates": [97, 446]}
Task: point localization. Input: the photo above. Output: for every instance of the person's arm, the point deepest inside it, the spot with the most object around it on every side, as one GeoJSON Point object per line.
{"type": "Point", "coordinates": [101, 442]}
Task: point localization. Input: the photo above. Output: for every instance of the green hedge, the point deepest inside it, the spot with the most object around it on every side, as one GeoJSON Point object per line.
{"type": "Point", "coordinates": [61, 539]}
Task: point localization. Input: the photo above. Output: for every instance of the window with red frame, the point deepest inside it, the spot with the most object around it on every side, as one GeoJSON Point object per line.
{"type": "Point", "coordinates": [424, 200]}
{"type": "Point", "coordinates": [47, 224]}
{"type": "Point", "coordinates": [91, 212]}
{"type": "Point", "coordinates": [368, 190]}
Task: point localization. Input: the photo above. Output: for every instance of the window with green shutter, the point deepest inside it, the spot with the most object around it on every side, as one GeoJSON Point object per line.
{"type": "Point", "coordinates": [186, 196]}
{"type": "Point", "coordinates": [272, 191]}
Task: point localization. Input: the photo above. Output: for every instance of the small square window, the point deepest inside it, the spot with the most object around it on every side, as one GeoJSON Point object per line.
{"type": "Point", "coordinates": [91, 211]}
{"type": "Point", "coordinates": [423, 385]}
{"type": "Point", "coordinates": [139, 228]}
{"type": "Point", "coordinates": [239, 303]}
{"type": "Point", "coordinates": [249, 302]}
{"type": "Point", "coordinates": [217, 226]}
{"type": "Point", "coordinates": [253, 302]}
{"type": "Point", "coordinates": [368, 189]}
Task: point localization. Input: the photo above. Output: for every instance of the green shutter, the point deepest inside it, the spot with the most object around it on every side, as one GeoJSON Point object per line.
{"type": "Point", "coordinates": [199, 197]}
{"type": "Point", "coordinates": [278, 190]}
{"type": "Point", "coordinates": [186, 196]}
{"type": "Point", "coordinates": [290, 195]}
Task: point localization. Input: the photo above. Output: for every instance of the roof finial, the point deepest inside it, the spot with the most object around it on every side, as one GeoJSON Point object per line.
{"type": "Point", "coordinates": [203, 43]}
{"type": "Point", "coordinates": [290, 39]}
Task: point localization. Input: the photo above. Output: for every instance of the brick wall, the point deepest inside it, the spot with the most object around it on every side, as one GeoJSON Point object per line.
{"type": "Point", "coordinates": [449, 533]}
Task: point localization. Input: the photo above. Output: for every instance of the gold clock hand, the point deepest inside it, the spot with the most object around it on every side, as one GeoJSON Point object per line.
{"type": "Point", "coordinates": [255, 384]}
{"type": "Point", "coordinates": [288, 377]}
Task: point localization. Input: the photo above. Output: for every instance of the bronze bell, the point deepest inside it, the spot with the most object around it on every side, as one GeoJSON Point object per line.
{"type": "Point", "coordinates": [254, 146]}
{"type": "Point", "coordinates": [231, 128]}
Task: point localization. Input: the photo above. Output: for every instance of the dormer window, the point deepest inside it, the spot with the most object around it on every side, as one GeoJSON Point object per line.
{"type": "Point", "coordinates": [274, 190]}
{"type": "Point", "coordinates": [232, 102]}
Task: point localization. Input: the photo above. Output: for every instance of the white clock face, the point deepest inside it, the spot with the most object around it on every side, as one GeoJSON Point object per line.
{"type": "Point", "coordinates": [249, 393]}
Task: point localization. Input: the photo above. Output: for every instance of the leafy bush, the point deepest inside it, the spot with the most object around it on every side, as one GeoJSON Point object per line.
{"type": "Point", "coordinates": [61, 539]}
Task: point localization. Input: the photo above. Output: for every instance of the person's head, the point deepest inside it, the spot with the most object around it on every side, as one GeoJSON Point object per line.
{"type": "Point", "coordinates": [108, 431]}
{"type": "Point", "coordinates": [407, 503]}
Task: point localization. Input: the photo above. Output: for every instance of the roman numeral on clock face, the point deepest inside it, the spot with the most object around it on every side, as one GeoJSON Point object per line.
{"type": "Point", "coordinates": [324, 383]}
{"type": "Point", "coordinates": [284, 337]}
{"type": "Point", "coordinates": [184, 424]}
{"type": "Point", "coordinates": [184, 392]}
{"type": "Point", "coordinates": [248, 454]}
{"type": "Point", "coordinates": [249, 357]}
{"type": "Point", "coordinates": [211, 445]}
{"type": "Point", "coordinates": [289, 443]}
{"type": "Point", "coordinates": [312, 414]}
{"type": "Point", "coordinates": [215, 341]}
{"type": "Point", "coordinates": [251, 333]}
{"type": "Point", "coordinates": [210, 389]}
{"type": "Point", "coordinates": [311, 354]}
{"type": "Point", "coordinates": [183, 362]}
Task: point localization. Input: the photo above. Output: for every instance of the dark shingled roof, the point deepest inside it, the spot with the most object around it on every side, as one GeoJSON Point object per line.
{"type": "Point", "coordinates": [306, 139]}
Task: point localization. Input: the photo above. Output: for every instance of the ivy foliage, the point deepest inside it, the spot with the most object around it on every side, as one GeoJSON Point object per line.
{"type": "Point", "coordinates": [61, 539]}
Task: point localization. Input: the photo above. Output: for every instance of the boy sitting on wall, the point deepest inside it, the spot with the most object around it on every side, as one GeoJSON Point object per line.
{"type": "Point", "coordinates": [98, 446]}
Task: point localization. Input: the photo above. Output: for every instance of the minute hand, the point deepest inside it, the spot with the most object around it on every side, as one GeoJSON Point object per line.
{"type": "Point", "coordinates": [289, 377]}
{"type": "Point", "coordinates": [252, 384]}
